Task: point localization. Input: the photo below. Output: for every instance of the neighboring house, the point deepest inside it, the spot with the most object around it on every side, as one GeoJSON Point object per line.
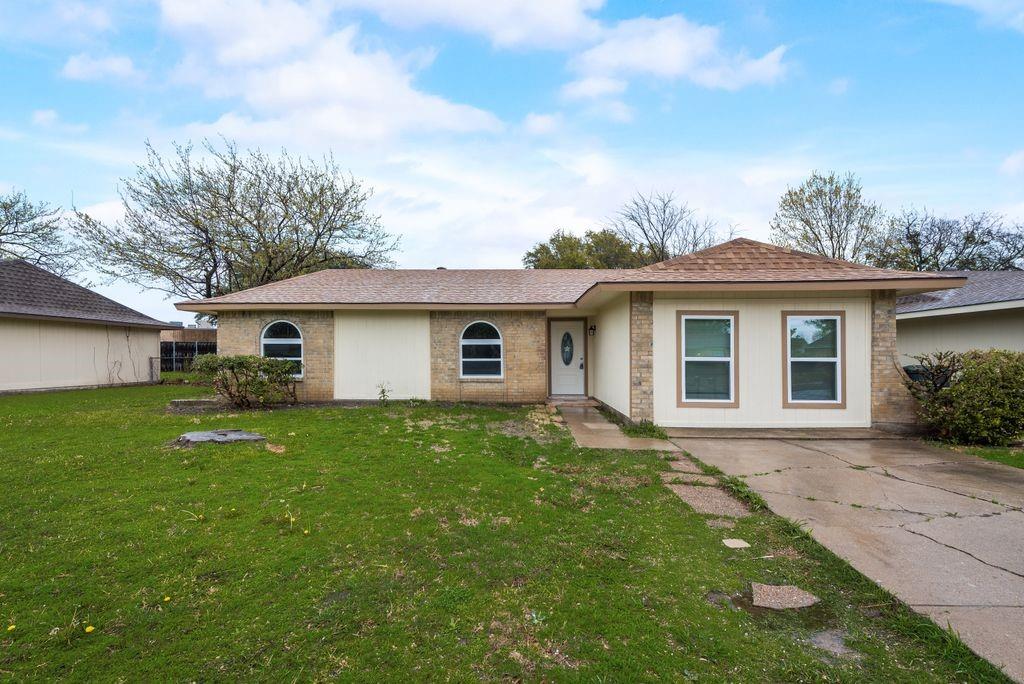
{"type": "Point", "coordinates": [986, 313]}
{"type": "Point", "coordinates": [56, 334]}
{"type": "Point", "coordinates": [740, 335]}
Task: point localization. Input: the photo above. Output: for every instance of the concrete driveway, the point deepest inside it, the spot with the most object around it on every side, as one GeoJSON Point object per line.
{"type": "Point", "coordinates": [942, 531]}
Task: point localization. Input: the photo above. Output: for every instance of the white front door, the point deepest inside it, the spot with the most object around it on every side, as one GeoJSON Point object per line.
{"type": "Point", "coordinates": [567, 360]}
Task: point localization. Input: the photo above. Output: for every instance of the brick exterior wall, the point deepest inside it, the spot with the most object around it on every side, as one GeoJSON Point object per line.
{"type": "Point", "coordinates": [891, 403]}
{"type": "Point", "coordinates": [238, 332]}
{"type": "Point", "coordinates": [641, 356]}
{"type": "Point", "coordinates": [524, 336]}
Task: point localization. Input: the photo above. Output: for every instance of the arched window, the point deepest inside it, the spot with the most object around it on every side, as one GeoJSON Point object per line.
{"type": "Point", "coordinates": [282, 340]}
{"type": "Point", "coordinates": [480, 352]}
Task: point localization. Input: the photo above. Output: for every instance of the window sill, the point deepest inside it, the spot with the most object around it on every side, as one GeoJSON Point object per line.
{"type": "Point", "coordinates": [483, 380]}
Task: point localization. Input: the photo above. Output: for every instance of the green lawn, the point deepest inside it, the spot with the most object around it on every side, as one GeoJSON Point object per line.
{"type": "Point", "coordinates": [400, 543]}
{"type": "Point", "coordinates": [1011, 456]}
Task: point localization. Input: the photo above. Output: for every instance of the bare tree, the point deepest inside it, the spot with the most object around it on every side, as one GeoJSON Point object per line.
{"type": "Point", "coordinates": [920, 241]}
{"type": "Point", "coordinates": [660, 227]}
{"type": "Point", "coordinates": [827, 215]}
{"type": "Point", "coordinates": [233, 220]}
{"type": "Point", "coordinates": [34, 231]}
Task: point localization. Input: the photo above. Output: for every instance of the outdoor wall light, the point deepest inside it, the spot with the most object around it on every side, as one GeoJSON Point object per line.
{"type": "Point", "coordinates": [592, 330]}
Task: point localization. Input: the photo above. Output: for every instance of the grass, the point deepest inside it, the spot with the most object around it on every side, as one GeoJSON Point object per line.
{"type": "Point", "coordinates": [182, 378]}
{"type": "Point", "coordinates": [1011, 456]}
{"type": "Point", "coordinates": [641, 428]}
{"type": "Point", "coordinates": [394, 543]}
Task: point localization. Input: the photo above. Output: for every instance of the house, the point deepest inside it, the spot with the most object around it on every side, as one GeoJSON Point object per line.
{"type": "Point", "coordinates": [56, 334]}
{"type": "Point", "coordinates": [986, 313]}
{"type": "Point", "coordinates": [743, 334]}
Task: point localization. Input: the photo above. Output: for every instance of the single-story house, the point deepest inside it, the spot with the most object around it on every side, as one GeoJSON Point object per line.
{"type": "Point", "coordinates": [986, 313]}
{"type": "Point", "coordinates": [743, 334]}
{"type": "Point", "coordinates": [56, 334]}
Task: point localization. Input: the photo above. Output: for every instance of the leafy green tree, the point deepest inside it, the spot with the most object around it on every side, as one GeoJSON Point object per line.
{"type": "Point", "coordinates": [828, 215]}
{"type": "Point", "coordinates": [596, 249]}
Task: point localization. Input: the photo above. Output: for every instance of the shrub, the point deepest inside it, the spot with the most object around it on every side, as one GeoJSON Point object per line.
{"type": "Point", "coordinates": [248, 381]}
{"type": "Point", "coordinates": [971, 398]}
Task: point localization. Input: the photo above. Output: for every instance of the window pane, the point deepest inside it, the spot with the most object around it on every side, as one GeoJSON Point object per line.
{"type": "Point", "coordinates": [813, 380]}
{"type": "Point", "coordinates": [481, 367]}
{"type": "Point", "coordinates": [481, 351]}
{"type": "Point", "coordinates": [282, 331]}
{"type": "Point", "coordinates": [707, 337]}
{"type": "Point", "coordinates": [278, 350]}
{"type": "Point", "coordinates": [481, 331]}
{"type": "Point", "coordinates": [813, 337]}
{"type": "Point", "coordinates": [707, 380]}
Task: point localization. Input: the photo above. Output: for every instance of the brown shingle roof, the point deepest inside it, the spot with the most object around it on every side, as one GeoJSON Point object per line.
{"type": "Point", "coordinates": [736, 261]}
{"type": "Point", "coordinates": [983, 287]}
{"type": "Point", "coordinates": [27, 290]}
{"type": "Point", "coordinates": [748, 261]}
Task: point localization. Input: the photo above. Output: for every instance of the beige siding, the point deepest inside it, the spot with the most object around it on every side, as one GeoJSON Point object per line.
{"type": "Point", "coordinates": [609, 355]}
{"type": "Point", "coordinates": [374, 347]}
{"type": "Point", "coordinates": [961, 332]}
{"type": "Point", "coordinates": [37, 354]}
{"type": "Point", "coordinates": [760, 358]}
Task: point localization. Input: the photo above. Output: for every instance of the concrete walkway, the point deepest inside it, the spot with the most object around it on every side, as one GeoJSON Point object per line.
{"type": "Point", "coordinates": [591, 429]}
{"type": "Point", "coordinates": [942, 531]}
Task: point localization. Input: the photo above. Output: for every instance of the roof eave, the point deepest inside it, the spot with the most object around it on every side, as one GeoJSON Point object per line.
{"type": "Point", "coordinates": [965, 309]}
{"type": "Point", "coordinates": [900, 285]}
{"type": "Point", "coordinates": [156, 325]}
{"type": "Point", "coordinates": [215, 307]}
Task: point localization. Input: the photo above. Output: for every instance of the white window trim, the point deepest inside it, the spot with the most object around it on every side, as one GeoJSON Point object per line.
{"type": "Point", "coordinates": [501, 348]}
{"type": "Point", "coordinates": [277, 340]}
{"type": "Point", "coordinates": [837, 359]}
{"type": "Point", "coordinates": [730, 359]}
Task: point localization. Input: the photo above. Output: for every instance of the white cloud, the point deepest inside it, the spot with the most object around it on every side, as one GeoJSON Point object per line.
{"type": "Point", "coordinates": [49, 119]}
{"type": "Point", "coordinates": [1009, 13]}
{"type": "Point", "coordinates": [593, 86]}
{"type": "Point", "coordinates": [1013, 164]}
{"type": "Point", "coordinates": [542, 124]}
{"type": "Point", "coordinates": [85, 67]}
{"type": "Point", "coordinates": [838, 86]}
{"type": "Point", "coordinates": [673, 48]}
{"type": "Point", "coordinates": [306, 82]}
{"type": "Point", "coordinates": [244, 32]}
{"type": "Point", "coordinates": [506, 23]}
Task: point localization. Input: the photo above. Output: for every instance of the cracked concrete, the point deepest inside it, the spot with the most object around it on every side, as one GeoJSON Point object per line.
{"type": "Point", "coordinates": [942, 531]}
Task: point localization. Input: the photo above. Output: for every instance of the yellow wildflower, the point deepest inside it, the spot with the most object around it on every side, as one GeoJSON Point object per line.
{"type": "Point", "coordinates": [166, 599]}
{"type": "Point", "coordinates": [10, 628]}
{"type": "Point", "coordinates": [89, 629]}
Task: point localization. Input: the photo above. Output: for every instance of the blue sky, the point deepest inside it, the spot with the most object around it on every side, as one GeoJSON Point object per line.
{"type": "Point", "coordinates": [483, 126]}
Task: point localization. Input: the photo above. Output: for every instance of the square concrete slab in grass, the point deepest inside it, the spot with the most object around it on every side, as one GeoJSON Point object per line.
{"type": "Point", "coordinates": [685, 465]}
{"type": "Point", "coordinates": [736, 544]}
{"type": "Point", "coordinates": [710, 500]}
{"type": "Point", "coordinates": [780, 597]}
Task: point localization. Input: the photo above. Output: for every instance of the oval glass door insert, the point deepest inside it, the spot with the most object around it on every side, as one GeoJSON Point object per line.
{"type": "Point", "coordinates": [566, 349]}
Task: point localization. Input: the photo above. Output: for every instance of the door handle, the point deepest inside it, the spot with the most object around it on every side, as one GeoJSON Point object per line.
{"type": "Point", "coordinates": [581, 365]}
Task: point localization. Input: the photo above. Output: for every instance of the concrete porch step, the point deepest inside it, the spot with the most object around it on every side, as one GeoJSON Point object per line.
{"type": "Point", "coordinates": [571, 401]}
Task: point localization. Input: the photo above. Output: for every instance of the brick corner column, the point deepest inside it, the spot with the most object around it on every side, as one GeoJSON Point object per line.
{"type": "Point", "coordinates": [891, 403]}
{"type": "Point", "coordinates": [641, 356]}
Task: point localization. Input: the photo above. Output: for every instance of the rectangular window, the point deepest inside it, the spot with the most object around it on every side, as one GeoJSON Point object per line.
{"type": "Point", "coordinates": [814, 365]}
{"type": "Point", "coordinates": [707, 364]}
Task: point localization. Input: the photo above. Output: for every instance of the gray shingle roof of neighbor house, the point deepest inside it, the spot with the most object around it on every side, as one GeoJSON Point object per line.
{"type": "Point", "coordinates": [734, 263]}
{"type": "Point", "coordinates": [983, 287]}
{"type": "Point", "coordinates": [27, 291]}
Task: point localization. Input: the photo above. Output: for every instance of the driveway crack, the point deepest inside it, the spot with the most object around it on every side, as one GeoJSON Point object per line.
{"type": "Point", "coordinates": [966, 553]}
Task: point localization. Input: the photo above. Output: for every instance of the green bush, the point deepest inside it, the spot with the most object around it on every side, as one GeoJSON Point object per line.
{"type": "Point", "coordinates": [248, 381]}
{"type": "Point", "coordinates": [972, 398]}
